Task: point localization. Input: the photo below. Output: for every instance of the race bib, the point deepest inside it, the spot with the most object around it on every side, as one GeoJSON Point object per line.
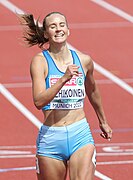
{"type": "Point", "coordinates": [71, 95]}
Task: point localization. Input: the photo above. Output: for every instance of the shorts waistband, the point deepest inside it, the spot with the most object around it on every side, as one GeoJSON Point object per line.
{"type": "Point", "coordinates": [61, 128]}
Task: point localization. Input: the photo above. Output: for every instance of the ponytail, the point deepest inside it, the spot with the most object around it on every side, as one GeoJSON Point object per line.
{"type": "Point", "coordinates": [33, 33]}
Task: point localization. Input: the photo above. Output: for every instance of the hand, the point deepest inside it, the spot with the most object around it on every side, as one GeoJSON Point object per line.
{"type": "Point", "coordinates": [71, 71]}
{"type": "Point", "coordinates": [106, 131]}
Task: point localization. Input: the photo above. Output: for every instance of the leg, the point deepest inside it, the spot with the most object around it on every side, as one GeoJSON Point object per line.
{"type": "Point", "coordinates": [51, 169]}
{"type": "Point", "coordinates": [81, 165]}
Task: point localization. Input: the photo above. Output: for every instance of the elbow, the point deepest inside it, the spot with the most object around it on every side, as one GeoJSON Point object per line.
{"type": "Point", "coordinates": [40, 102]}
{"type": "Point", "coordinates": [38, 105]}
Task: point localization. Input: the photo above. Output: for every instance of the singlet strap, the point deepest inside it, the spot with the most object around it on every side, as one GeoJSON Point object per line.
{"type": "Point", "coordinates": [77, 61]}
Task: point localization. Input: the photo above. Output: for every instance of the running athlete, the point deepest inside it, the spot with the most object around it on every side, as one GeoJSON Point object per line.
{"type": "Point", "coordinates": [61, 78]}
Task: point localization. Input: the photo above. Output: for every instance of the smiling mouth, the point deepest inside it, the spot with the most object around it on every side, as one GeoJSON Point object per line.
{"type": "Point", "coordinates": [59, 35]}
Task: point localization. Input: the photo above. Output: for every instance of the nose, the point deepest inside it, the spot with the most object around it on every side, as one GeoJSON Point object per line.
{"type": "Point", "coordinates": [58, 28]}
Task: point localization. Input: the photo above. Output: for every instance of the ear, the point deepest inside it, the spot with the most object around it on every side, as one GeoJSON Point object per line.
{"type": "Point", "coordinates": [68, 32]}
{"type": "Point", "coordinates": [45, 35]}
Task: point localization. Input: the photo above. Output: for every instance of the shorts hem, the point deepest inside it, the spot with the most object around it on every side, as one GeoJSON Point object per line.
{"type": "Point", "coordinates": [83, 146]}
{"type": "Point", "coordinates": [53, 157]}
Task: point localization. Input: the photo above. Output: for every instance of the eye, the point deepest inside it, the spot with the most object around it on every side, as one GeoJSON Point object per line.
{"type": "Point", "coordinates": [62, 24]}
{"type": "Point", "coordinates": [52, 27]}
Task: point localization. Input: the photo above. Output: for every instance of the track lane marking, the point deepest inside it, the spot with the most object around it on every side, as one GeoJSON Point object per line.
{"type": "Point", "coordinates": [29, 84]}
{"type": "Point", "coordinates": [33, 146]}
{"type": "Point", "coordinates": [115, 162]}
{"type": "Point", "coordinates": [114, 78]}
{"type": "Point", "coordinates": [115, 154]}
{"type": "Point", "coordinates": [17, 169]}
{"type": "Point", "coordinates": [97, 173]}
{"type": "Point", "coordinates": [100, 163]}
{"type": "Point", "coordinates": [18, 147]}
{"type": "Point", "coordinates": [97, 67]}
{"type": "Point", "coordinates": [32, 118]}
{"type": "Point", "coordinates": [17, 156]}
{"type": "Point", "coordinates": [128, 17]}
{"type": "Point", "coordinates": [93, 25]}
{"type": "Point", "coordinates": [111, 76]}
{"type": "Point", "coordinates": [34, 168]}
{"type": "Point", "coordinates": [11, 7]}
{"type": "Point", "coordinates": [115, 144]}
{"type": "Point", "coordinates": [14, 101]}
{"type": "Point", "coordinates": [114, 9]}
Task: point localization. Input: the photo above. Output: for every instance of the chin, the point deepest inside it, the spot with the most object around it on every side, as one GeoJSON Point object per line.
{"type": "Point", "coordinates": [60, 41]}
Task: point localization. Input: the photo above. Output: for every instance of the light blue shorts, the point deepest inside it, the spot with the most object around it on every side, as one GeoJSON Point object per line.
{"type": "Point", "coordinates": [61, 142]}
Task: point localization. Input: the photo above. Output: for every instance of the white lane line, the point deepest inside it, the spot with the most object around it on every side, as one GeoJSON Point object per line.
{"type": "Point", "coordinates": [128, 17]}
{"type": "Point", "coordinates": [114, 144]}
{"type": "Point", "coordinates": [97, 145]}
{"type": "Point", "coordinates": [97, 173]}
{"type": "Point", "coordinates": [103, 177]}
{"type": "Point", "coordinates": [8, 152]}
{"type": "Point", "coordinates": [111, 76]}
{"type": "Point", "coordinates": [29, 84]}
{"type": "Point", "coordinates": [10, 28]}
{"type": "Point", "coordinates": [115, 154]}
{"type": "Point", "coordinates": [98, 25]}
{"type": "Point", "coordinates": [114, 78]}
{"type": "Point", "coordinates": [94, 25]}
{"type": "Point", "coordinates": [17, 169]}
{"type": "Point", "coordinates": [16, 103]}
{"type": "Point", "coordinates": [18, 85]}
{"type": "Point", "coordinates": [108, 81]}
{"type": "Point", "coordinates": [115, 162]}
{"type": "Point", "coordinates": [114, 9]}
{"type": "Point", "coordinates": [18, 147]}
{"type": "Point", "coordinates": [17, 156]}
{"type": "Point", "coordinates": [33, 119]}
{"type": "Point", "coordinates": [12, 99]}
{"type": "Point", "coordinates": [11, 6]}
{"type": "Point", "coordinates": [99, 68]}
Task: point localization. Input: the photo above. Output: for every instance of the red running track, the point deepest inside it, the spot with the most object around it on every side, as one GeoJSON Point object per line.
{"type": "Point", "coordinates": [95, 30]}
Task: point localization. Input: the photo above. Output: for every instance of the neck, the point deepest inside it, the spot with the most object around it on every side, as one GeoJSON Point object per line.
{"type": "Point", "coordinates": [57, 49]}
{"type": "Point", "coordinates": [61, 54]}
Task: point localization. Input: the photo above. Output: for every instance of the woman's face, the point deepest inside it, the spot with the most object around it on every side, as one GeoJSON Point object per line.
{"type": "Point", "coordinates": [56, 28]}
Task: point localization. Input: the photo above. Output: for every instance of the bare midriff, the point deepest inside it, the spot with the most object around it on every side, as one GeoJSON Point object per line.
{"type": "Point", "coordinates": [63, 117]}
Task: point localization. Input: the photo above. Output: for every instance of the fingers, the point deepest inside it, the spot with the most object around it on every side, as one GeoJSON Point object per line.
{"type": "Point", "coordinates": [106, 131]}
{"type": "Point", "coordinates": [74, 69]}
{"type": "Point", "coordinates": [107, 135]}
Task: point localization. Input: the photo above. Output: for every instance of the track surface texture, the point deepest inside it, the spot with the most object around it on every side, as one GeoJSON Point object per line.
{"type": "Point", "coordinates": [102, 29]}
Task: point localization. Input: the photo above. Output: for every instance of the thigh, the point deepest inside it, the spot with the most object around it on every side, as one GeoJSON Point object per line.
{"type": "Point", "coordinates": [50, 168]}
{"type": "Point", "coordinates": [81, 164]}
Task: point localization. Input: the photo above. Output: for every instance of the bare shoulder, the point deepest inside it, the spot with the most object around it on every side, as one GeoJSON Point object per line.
{"type": "Point", "coordinates": [38, 65]}
{"type": "Point", "coordinates": [86, 61]}
{"type": "Point", "coordinates": [38, 61]}
{"type": "Point", "coordinates": [39, 58]}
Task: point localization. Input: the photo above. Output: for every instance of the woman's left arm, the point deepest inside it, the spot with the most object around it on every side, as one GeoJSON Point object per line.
{"type": "Point", "coordinates": [93, 94]}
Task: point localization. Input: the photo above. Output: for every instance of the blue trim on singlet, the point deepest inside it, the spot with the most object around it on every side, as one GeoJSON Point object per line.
{"type": "Point", "coordinates": [54, 70]}
{"type": "Point", "coordinates": [77, 62]}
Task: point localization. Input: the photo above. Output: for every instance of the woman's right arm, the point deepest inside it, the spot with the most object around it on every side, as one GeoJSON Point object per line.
{"type": "Point", "coordinates": [39, 70]}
